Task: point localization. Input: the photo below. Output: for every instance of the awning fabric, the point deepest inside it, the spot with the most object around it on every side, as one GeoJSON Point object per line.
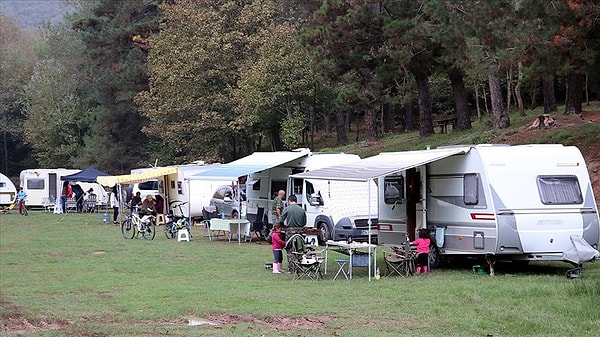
{"type": "Point", "coordinates": [137, 177]}
{"type": "Point", "coordinates": [89, 174]}
{"type": "Point", "coordinates": [256, 162]}
{"type": "Point", "coordinates": [383, 164]}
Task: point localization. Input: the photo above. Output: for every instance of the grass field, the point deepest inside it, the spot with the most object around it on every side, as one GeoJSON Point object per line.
{"type": "Point", "coordinates": [74, 276]}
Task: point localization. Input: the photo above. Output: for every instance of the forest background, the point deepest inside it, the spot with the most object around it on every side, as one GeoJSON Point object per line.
{"type": "Point", "coordinates": [119, 84]}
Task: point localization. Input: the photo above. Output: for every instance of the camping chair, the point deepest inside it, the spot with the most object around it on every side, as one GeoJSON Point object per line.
{"type": "Point", "coordinates": [90, 203]}
{"type": "Point", "coordinates": [71, 205]}
{"type": "Point", "coordinates": [48, 204]}
{"type": "Point", "coordinates": [580, 252]}
{"type": "Point", "coordinates": [303, 261]}
{"type": "Point", "coordinates": [398, 262]}
{"type": "Point", "coordinates": [208, 213]}
{"type": "Point", "coordinates": [258, 225]}
{"type": "Point", "coordinates": [10, 207]}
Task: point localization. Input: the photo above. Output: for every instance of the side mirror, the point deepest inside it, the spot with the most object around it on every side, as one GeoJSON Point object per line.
{"type": "Point", "coordinates": [315, 200]}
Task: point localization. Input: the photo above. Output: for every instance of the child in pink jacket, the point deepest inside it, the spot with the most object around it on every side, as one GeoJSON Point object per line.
{"type": "Point", "coordinates": [277, 244]}
{"type": "Point", "coordinates": [422, 244]}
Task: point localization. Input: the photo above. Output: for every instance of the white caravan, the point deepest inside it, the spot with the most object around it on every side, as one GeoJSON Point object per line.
{"type": "Point", "coordinates": [45, 184]}
{"type": "Point", "coordinates": [177, 187]}
{"type": "Point", "coordinates": [517, 203]}
{"type": "Point", "coordinates": [8, 191]}
{"type": "Point", "coordinates": [340, 211]}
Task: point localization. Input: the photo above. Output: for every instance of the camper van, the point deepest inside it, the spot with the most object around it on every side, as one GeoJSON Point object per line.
{"type": "Point", "coordinates": [177, 187]}
{"type": "Point", "coordinates": [518, 203]}
{"type": "Point", "coordinates": [8, 191]}
{"type": "Point", "coordinates": [338, 213]}
{"type": "Point", "coordinates": [44, 185]}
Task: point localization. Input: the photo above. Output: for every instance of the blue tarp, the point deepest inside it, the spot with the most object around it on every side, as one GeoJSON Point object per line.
{"type": "Point", "coordinates": [88, 175]}
{"type": "Point", "coordinates": [256, 162]}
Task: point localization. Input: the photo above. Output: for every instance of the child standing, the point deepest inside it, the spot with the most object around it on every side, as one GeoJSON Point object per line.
{"type": "Point", "coordinates": [422, 244]}
{"type": "Point", "coordinates": [277, 244]}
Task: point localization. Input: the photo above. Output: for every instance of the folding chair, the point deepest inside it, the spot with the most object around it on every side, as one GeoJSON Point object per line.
{"type": "Point", "coordinates": [258, 225]}
{"type": "Point", "coordinates": [397, 262]}
{"type": "Point", "coordinates": [208, 213]}
{"type": "Point", "coordinates": [90, 204]}
{"type": "Point", "coordinates": [48, 204]}
{"type": "Point", "coordinates": [303, 261]}
{"type": "Point", "coordinates": [71, 205]}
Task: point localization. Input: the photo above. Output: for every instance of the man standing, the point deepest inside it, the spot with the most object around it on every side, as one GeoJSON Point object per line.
{"type": "Point", "coordinates": [295, 219]}
{"type": "Point", "coordinates": [277, 208]}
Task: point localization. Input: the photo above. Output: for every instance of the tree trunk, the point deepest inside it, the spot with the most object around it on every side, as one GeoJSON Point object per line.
{"type": "Point", "coordinates": [387, 118]}
{"type": "Point", "coordinates": [340, 127]}
{"type": "Point", "coordinates": [549, 94]}
{"type": "Point", "coordinates": [573, 104]}
{"type": "Point", "coordinates": [463, 118]}
{"type": "Point", "coordinates": [370, 125]}
{"type": "Point", "coordinates": [508, 88]}
{"type": "Point", "coordinates": [276, 143]}
{"type": "Point", "coordinates": [499, 114]}
{"type": "Point", "coordinates": [477, 101]}
{"type": "Point", "coordinates": [409, 117]}
{"type": "Point", "coordinates": [327, 128]}
{"type": "Point", "coordinates": [425, 121]}
{"type": "Point", "coordinates": [518, 94]}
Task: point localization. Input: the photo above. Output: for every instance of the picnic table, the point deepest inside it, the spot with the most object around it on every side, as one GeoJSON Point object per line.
{"type": "Point", "coordinates": [444, 121]}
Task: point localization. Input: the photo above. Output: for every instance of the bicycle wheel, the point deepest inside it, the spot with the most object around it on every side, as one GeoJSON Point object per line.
{"type": "Point", "coordinates": [127, 229]}
{"type": "Point", "coordinates": [25, 212]}
{"type": "Point", "coordinates": [149, 232]}
{"type": "Point", "coordinates": [169, 233]}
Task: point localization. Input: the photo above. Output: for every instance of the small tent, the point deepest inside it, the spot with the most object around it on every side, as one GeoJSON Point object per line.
{"type": "Point", "coordinates": [88, 175]}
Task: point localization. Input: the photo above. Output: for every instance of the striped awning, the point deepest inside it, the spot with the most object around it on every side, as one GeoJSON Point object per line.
{"type": "Point", "coordinates": [137, 177]}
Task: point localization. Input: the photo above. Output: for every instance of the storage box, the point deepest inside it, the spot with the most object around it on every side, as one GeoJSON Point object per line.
{"type": "Point", "coordinates": [360, 259]}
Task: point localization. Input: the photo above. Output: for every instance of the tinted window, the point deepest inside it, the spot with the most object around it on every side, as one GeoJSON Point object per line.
{"type": "Point", "coordinates": [471, 189]}
{"type": "Point", "coordinates": [148, 185]}
{"type": "Point", "coordinates": [35, 184]}
{"type": "Point", "coordinates": [559, 190]}
{"type": "Point", "coordinates": [219, 193]}
{"type": "Point", "coordinates": [393, 189]}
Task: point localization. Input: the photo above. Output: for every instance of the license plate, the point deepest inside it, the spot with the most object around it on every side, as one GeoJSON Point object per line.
{"type": "Point", "coordinates": [366, 232]}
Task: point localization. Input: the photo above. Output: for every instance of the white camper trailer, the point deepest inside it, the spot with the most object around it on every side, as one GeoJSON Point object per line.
{"type": "Point", "coordinates": [8, 191]}
{"type": "Point", "coordinates": [268, 172]}
{"type": "Point", "coordinates": [517, 203]}
{"type": "Point", "coordinates": [177, 187]}
{"type": "Point", "coordinates": [44, 185]}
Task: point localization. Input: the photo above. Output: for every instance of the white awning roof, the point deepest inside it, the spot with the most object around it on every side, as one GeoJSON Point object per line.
{"type": "Point", "coordinates": [256, 162]}
{"type": "Point", "coordinates": [383, 164]}
{"type": "Point", "coordinates": [136, 177]}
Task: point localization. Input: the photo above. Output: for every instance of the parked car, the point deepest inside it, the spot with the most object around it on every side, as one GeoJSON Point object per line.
{"type": "Point", "coordinates": [226, 201]}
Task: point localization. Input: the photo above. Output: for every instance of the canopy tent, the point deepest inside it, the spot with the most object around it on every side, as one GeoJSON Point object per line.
{"type": "Point", "coordinates": [137, 177]}
{"type": "Point", "coordinates": [383, 164]}
{"type": "Point", "coordinates": [256, 162]}
{"type": "Point", "coordinates": [88, 175]}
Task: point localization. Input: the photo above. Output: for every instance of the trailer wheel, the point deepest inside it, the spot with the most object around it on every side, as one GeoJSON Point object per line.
{"type": "Point", "coordinates": [434, 257]}
{"type": "Point", "coordinates": [325, 233]}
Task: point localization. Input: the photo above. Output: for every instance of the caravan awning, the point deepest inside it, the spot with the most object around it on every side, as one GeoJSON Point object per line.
{"type": "Point", "coordinates": [256, 162]}
{"type": "Point", "coordinates": [137, 177]}
{"type": "Point", "coordinates": [382, 164]}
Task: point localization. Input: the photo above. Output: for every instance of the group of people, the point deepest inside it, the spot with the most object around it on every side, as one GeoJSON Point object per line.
{"type": "Point", "coordinates": [69, 191]}
{"type": "Point", "coordinates": [290, 220]}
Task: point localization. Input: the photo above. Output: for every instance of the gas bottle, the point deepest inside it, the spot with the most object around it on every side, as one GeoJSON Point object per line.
{"type": "Point", "coordinates": [377, 274]}
{"type": "Point", "coordinates": [105, 218]}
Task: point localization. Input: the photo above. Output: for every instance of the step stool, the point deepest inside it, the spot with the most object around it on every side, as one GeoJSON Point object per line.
{"type": "Point", "coordinates": [183, 235]}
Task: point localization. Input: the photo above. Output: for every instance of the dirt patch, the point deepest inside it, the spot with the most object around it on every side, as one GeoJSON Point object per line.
{"type": "Point", "coordinates": [16, 321]}
{"type": "Point", "coordinates": [279, 323]}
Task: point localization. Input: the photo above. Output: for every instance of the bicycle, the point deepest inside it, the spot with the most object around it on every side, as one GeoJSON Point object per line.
{"type": "Point", "coordinates": [134, 226]}
{"type": "Point", "coordinates": [24, 210]}
{"type": "Point", "coordinates": [175, 224]}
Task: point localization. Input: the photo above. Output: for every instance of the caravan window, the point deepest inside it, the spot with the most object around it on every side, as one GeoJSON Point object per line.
{"type": "Point", "coordinates": [471, 189]}
{"type": "Point", "coordinates": [559, 190]}
{"type": "Point", "coordinates": [35, 184]}
{"type": "Point", "coordinates": [393, 189]}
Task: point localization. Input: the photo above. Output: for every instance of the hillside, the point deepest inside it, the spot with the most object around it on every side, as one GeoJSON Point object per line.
{"type": "Point", "coordinates": [33, 13]}
{"type": "Point", "coordinates": [581, 131]}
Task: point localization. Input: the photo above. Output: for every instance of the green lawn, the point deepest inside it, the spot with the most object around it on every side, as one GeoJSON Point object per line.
{"type": "Point", "coordinates": [74, 276]}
